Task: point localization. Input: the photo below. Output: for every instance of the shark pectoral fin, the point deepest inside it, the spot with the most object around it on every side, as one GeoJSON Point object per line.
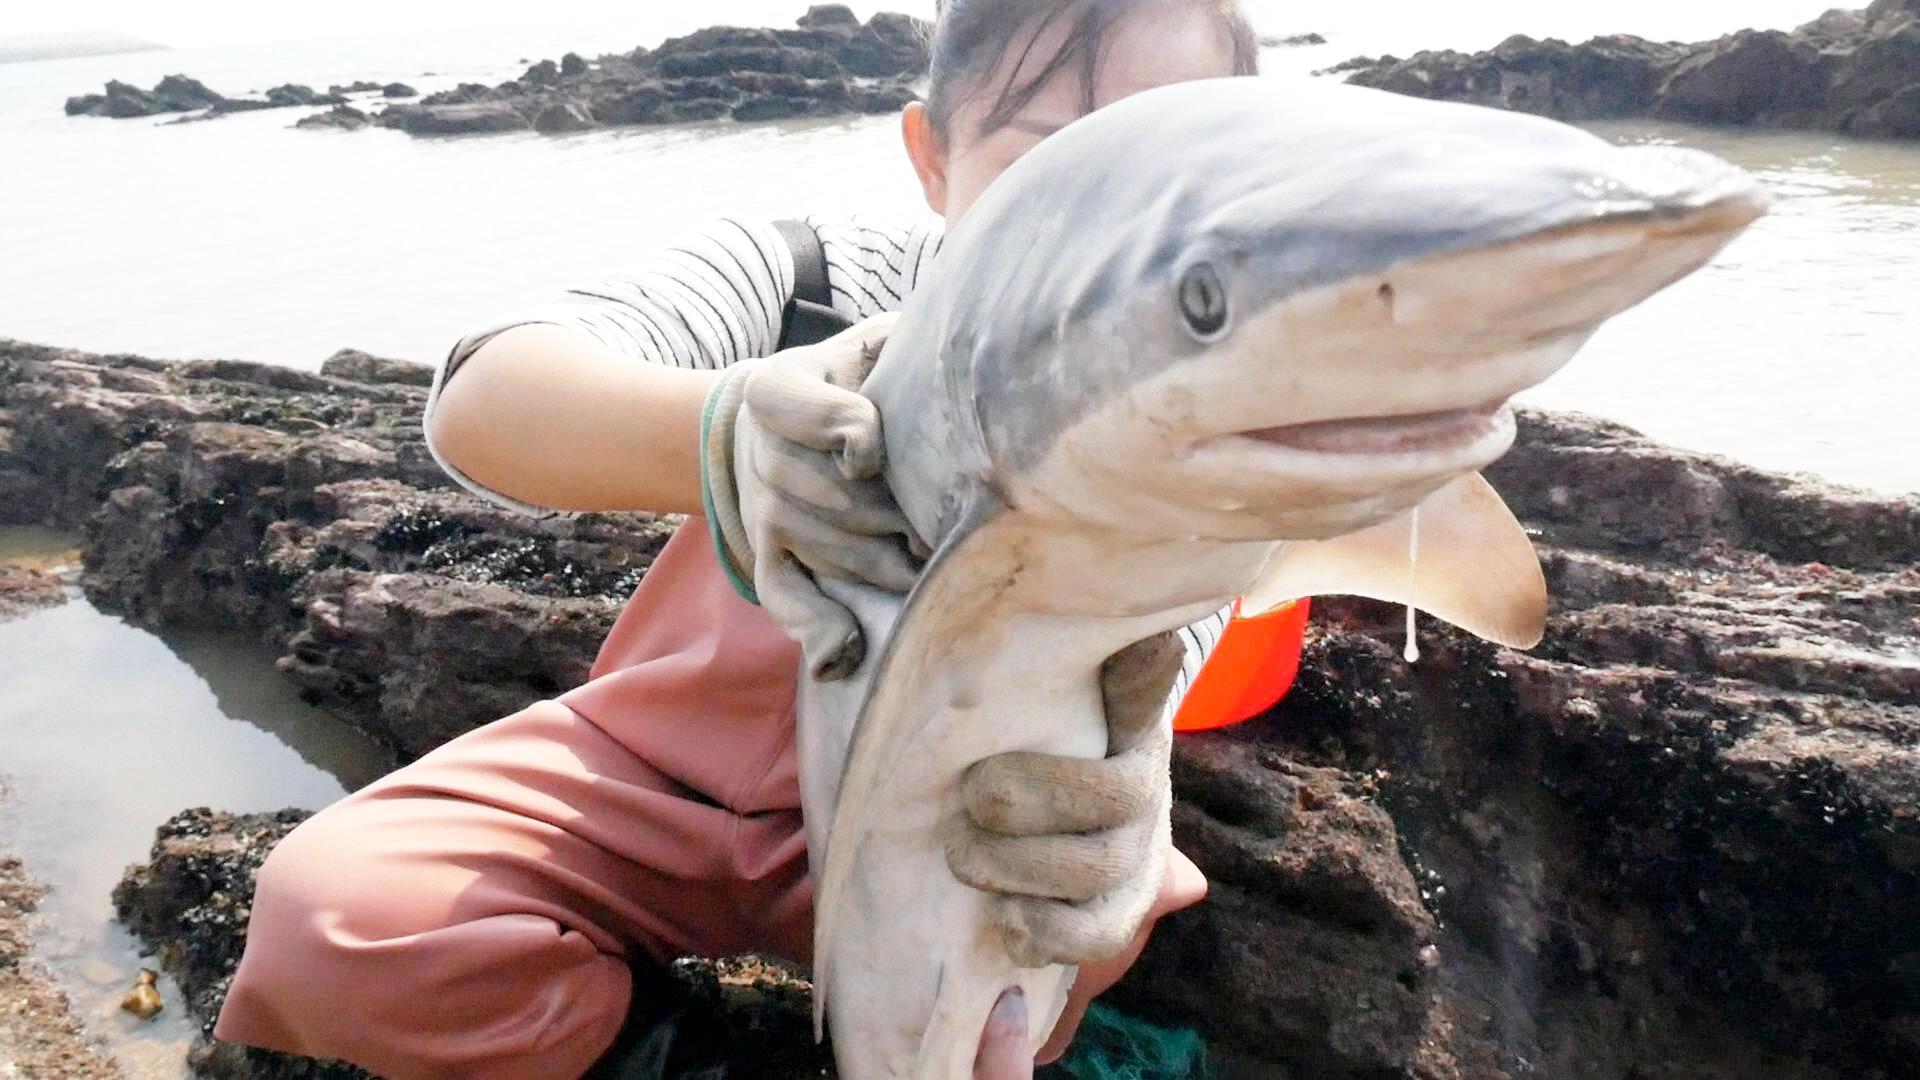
{"type": "Point", "coordinates": [1476, 567]}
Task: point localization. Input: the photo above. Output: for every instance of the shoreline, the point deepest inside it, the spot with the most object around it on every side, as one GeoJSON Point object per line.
{"type": "Point", "coordinates": [40, 1035]}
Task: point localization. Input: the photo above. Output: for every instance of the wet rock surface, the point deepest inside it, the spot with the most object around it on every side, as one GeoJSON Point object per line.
{"type": "Point", "coordinates": [306, 507]}
{"type": "Point", "coordinates": [830, 64]}
{"type": "Point", "coordinates": [1681, 838]}
{"type": "Point", "coordinates": [1850, 71]}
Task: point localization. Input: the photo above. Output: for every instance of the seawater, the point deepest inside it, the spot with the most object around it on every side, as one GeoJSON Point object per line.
{"type": "Point", "coordinates": [242, 237]}
{"type": "Point", "coordinates": [107, 730]}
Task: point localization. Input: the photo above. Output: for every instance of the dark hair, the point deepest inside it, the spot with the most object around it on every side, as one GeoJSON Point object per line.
{"type": "Point", "coordinates": [972, 37]}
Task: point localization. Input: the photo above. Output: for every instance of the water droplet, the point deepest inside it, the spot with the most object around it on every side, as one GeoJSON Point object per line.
{"type": "Point", "coordinates": [1412, 651]}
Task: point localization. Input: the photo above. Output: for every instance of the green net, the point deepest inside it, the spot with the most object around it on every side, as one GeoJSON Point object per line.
{"type": "Point", "coordinates": [1114, 1046]}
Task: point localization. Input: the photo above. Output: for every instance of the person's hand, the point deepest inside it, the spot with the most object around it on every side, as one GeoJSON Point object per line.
{"type": "Point", "coordinates": [1003, 1051]}
{"type": "Point", "coordinates": [1184, 886]}
{"type": "Point", "coordinates": [1076, 849]}
{"type": "Point", "coordinates": [791, 467]}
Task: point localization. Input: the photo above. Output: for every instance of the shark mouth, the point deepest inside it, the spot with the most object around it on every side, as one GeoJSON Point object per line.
{"type": "Point", "coordinates": [1450, 429]}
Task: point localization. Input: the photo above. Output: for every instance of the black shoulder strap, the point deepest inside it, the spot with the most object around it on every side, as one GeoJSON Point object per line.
{"type": "Point", "coordinates": [809, 317]}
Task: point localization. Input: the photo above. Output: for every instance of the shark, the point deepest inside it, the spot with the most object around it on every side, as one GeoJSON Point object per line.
{"type": "Point", "coordinates": [1230, 338]}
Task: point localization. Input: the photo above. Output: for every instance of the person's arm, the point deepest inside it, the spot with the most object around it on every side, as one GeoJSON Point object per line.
{"type": "Point", "coordinates": [550, 417]}
{"type": "Point", "coordinates": [593, 401]}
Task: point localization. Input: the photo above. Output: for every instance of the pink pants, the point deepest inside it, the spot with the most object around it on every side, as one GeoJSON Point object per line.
{"type": "Point", "coordinates": [474, 914]}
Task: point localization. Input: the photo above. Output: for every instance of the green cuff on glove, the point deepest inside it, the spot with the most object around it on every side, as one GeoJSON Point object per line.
{"type": "Point", "coordinates": [719, 495]}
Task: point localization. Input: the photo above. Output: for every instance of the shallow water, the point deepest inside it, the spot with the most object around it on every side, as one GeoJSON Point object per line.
{"type": "Point", "coordinates": [107, 730]}
{"type": "Point", "coordinates": [243, 237]}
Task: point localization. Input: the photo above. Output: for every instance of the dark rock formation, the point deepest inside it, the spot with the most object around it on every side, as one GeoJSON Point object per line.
{"type": "Point", "coordinates": [479, 117]}
{"type": "Point", "coordinates": [175, 93]}
{"type": "Point", "coordinates": [338, 118]}
{"type": "Point", "coordinates": [356, 366]}
{"type": "Point", "coordinates": [1681, 838]}
{"type": "Point", "coordinates": [831, 65]}
{"type": "Point", "coordinates": [288, 95]}
{"type": "Point", "coordinates": [179, 94]}
{"type": "Point", "coordinates": [307, 507]}
{"type": "Point", "coordinates": [1855, 72]}
{"type": "Point", "coordinates": [1291, 41]}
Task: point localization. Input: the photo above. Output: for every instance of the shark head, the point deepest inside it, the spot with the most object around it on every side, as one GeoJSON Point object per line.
{"type": "Point", "coordinates": [1256, 309]}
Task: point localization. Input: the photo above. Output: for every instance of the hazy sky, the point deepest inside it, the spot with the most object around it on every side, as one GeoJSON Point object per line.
{"type": "Point", "coordinates": [213, 22]}
{"type": "Point", "coordinates": [187, 23]}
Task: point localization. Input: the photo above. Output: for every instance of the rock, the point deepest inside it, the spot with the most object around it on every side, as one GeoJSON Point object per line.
{"type": "Point", "coordinates": [1607, 77]}
{"type": "Point", "coordinates": [357, 366]}
{"type": "Point", "coordinates": [890, 46]}
{"type": "Point", "coordinates": [398, 90]}
{"type": "Point", "coordinates": [289, 95]}
{"type": "Point", "coordinates": [339, 118]}
{"type": "Point", "coordinates": [23, 590]}
{"type": "Point", "coordinates": [830, 65]}
{"type": "Point", "coordinates": [464, 94]}
{"type": "Point", "coordinates": [358, 86]}
{"type": "Point", "coordinates": [1680, 838]}
{"type": "Point", "coordinates": [178, 93]}
{"type": "Point", "coordinates": [829, 17]}
{"type": "Point", "coordinates": [234, 105]}
{"type": "Point", "coordinates": [1289, 41]}
{"type": "Point", "coordinates": [563, 116]}
{"type": "Point", "coordinates": [1743, 77]}
{"type": "Point", "coordinates": [479, 117]}
{"type": "Point", "coordinates": [1857, 72]}
{"type": "Point", "coordinates": [305, 506]}
{"type": "Point", "coordinates": [727, 61]}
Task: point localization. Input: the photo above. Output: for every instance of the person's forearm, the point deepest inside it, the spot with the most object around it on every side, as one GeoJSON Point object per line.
{"type": "Point", "coordinates": [549, 416]}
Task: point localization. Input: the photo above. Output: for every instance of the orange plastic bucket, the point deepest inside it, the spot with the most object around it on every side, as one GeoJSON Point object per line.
{"type": "Point", "coordinates": [1251, 669]}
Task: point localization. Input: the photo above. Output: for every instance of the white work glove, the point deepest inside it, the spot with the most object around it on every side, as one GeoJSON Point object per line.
{"type": "Point", "coordinates": [1077, 848]}
{"type": "Point", "coordinates": [791, 466]}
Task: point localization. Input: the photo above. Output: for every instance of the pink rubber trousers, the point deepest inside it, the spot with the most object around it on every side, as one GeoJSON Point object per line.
{"type": "Point", "coordinates": [475, 913]}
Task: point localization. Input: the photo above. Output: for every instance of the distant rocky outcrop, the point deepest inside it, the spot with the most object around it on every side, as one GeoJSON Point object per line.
{"type": "Point", "coordinates": [180, 94]}
{"type": "Point", "coordinates": [831, 64]}
{"type": "Point", "coordinates": [1856, 72]}
{"type": "Point", "coordinates": [338, 118]}
{"type": "Point", "coordinates": [1291, 41]}
{"type": "Point", "coordinates": [1680, 838]}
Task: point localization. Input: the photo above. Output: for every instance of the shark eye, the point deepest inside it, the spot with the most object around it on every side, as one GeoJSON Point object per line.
{"type": "Point", "coordinates": [1203, 301]}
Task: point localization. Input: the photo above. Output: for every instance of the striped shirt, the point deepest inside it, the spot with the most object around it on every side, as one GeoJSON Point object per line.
{"type": "Point", "coordinates": [718, 297]}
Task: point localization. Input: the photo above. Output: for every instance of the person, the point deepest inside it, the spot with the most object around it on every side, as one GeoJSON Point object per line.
{"type": "Point", "coordinates": [483, 912]}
